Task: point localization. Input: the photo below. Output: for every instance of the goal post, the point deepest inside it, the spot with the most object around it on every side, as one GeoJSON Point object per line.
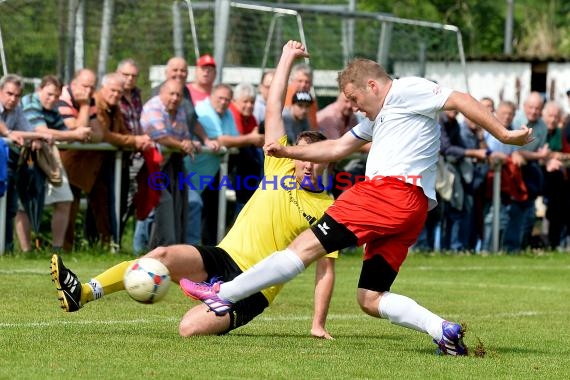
{"type": "Point", "coordinates": [334, 34]}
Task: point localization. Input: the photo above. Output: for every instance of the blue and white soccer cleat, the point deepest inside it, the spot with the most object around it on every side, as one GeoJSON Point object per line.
{"type": "Point", "coordinates": [451, 342]}
{"type": "Point", "coordinates": [207, 292]}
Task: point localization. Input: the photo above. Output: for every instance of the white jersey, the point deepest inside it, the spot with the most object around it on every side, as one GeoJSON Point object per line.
{"type": "Point", "coordinates": [406, 135]}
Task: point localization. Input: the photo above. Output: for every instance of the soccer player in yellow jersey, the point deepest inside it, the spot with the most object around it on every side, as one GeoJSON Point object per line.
{"type": "Point", "coordinates": [288, 201]}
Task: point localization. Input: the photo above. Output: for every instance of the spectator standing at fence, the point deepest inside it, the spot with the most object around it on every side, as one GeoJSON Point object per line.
{"type": "Point", "coordinates": [552, 116]}
{"type": "Point", "coordinates": [261, 97]}
{"type": "Point", "coordinates": [247, 165]}
{"type": "Point", "coordinates": [200, 90]}
{"type": "Point", "coordinates": [13, 124]}
{"type": "Point", "coordinates": [131, 101]}
{"type": "Point", "coordinates": [488, 103]}
{"type": "Point", "coordinates": [522, 214]}
{"type": "Point", "coordinates": [110, 117]}
{"type": "Point", "coordinates": [427, 240]}
{"type": "Point", "coordinates": [455, 171]}
{"type": "Point", "coordinates": [501, 154]}
{"type": "Point", "coordinates": [301, 80]}
{"type": "Point", "coordinates": [457, 210]}
{"type": "Point", "coordinates": [473, 137]}
{"type": "Point", "coordinates": [42, 114]}
{"type": "Point", "coordinates": [131, 108]}
{"type": "Point", "coordinates": [164, 120]}
{"type": "Point", "coordinates": [177, 70]}
{"type": "Point", "coordinates": [204, 77]}
{"type": "Point", "coordinates": [556, 177]}
{"type": "Point", "coordinates": [77, 107]}
{"type": "Point", "coordinates": [219, 123]}
{"type": "Point", "coordinates": [296, 116]}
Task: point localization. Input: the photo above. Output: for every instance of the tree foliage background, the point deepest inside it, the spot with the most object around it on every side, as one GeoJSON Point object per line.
{"type": "Point", "coordinates": [541, 28]}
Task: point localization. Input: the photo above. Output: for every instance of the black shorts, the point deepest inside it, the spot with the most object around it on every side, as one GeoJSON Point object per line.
{"type": "Point", "coordinates": [219, 264]}
{"type": "Point", "coordinates": [376, 273]}
{"type": "Point", "coordinates": [332, 235]}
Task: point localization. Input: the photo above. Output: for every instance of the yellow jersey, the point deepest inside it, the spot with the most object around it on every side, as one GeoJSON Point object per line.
{"type": "Point", "coordinates": [274, 216]}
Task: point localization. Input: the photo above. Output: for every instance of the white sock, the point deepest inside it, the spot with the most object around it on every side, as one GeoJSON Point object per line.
{"type": "Point", "coordinates": [278, 268]}
{"type": "Point", "coordinates": [96, 288]}
{"type": "Point", "coordinates": [406, 312]}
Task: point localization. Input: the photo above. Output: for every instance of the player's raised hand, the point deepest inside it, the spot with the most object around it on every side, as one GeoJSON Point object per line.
{"type": "Point", "coordinates": [274, 149]}
{"type": "Point", "coordinates": [295, 48]}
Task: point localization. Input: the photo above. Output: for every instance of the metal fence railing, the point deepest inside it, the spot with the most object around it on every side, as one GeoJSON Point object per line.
{"type": "Point", "coordinates": [224, 153]}
{"type": "Point", "coordinates": [223, 200]}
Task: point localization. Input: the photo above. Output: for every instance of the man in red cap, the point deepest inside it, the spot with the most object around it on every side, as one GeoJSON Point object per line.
{"type": "Point", "coordinates": [204, 78]}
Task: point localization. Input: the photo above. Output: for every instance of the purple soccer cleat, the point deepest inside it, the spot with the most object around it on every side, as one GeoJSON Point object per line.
{"type": "Point", "coordinates": [207, 292]}
{"type": "Point", "coordinates": [452, 341]}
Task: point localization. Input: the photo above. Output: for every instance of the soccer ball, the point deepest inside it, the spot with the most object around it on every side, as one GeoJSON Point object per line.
{"type": "Point", "coordinates": [147, 280]}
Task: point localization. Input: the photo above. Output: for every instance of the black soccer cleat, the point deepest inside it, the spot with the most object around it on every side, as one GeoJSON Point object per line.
{"type": "Point", "coordinates": [67, 285]}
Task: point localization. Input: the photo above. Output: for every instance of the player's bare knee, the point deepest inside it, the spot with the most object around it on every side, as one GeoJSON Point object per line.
{"type": "Point", "coordinates": [368, 310]}
{"type": "Point", "coordinates": [368, 302]}
{"type": "Point", "coordinates": [194, 323]}
{"type": "Point", "coordinates": [187, 329]}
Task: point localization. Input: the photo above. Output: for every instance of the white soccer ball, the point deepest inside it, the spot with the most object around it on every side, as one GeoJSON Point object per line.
{"type": "Point", "coordinates": [147, 280]}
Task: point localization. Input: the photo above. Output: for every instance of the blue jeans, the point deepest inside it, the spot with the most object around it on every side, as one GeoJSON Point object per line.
{"type": "Point", "coordinates": [522, 216]}
{"type": "Point", "coordinates": [11, 210]}
{"type": "Point", "coordinates": [453, 239]}
{"type": "Point", "coordinates": [11, 201]}
{"type": "Point", "coordinates": [194, 218]}
{"type": "Point", "coordinates": [488, 226]}
{"type": "Point", "coordinates": [430, 237]}
{"type": "Point", "coordinates": [141, 238]}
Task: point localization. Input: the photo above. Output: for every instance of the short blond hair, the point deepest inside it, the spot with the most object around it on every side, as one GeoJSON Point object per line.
{"type": "Point", "coordinates": [359, 71]}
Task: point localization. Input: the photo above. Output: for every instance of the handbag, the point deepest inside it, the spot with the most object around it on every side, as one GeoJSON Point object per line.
{"type": "Point", "coordinates": [47, 159]}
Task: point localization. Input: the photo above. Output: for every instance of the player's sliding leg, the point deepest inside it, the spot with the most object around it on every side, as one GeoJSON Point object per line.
{"type": "Point", "coordinates": [73, 295]}
{"type": "Point", "coordinates": [181, 261]}
{"type": "Point", "coordinates": [278, 268]}
{"type": "Point", "coordinates": [199, 321]}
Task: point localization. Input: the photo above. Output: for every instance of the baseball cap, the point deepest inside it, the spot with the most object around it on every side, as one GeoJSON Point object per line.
{"type": "Point", "coordinates": [302, 97]}
{"type": "Point", "coordinates": [206, 60]}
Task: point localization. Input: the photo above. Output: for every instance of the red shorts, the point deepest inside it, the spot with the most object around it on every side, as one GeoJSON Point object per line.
{"type": "Point", "coordinates": [386, 214]}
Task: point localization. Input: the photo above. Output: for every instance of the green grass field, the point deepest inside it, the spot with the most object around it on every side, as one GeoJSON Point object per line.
{"type": "Point", "coordinates": [519, 306]}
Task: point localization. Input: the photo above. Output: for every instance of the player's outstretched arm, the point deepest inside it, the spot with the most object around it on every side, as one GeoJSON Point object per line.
{"type": "Point", "coordinates": [274, 127]}
{"type": "Point", "coordinates": [322, 151]}
{"type": "Point", "coordinates": [474, 111]}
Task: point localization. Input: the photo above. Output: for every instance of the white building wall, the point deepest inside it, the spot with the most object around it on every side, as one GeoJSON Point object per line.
{"type": "Point", "coordinates": [496, 80]}
{"type": "Point", "coordinates": [558, 82]}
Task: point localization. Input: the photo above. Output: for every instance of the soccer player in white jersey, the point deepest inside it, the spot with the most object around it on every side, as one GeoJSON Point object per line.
{"type": "Point", "coordinates": [387, 211]}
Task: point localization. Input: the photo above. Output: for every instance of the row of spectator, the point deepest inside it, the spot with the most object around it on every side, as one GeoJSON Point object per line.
{"type": "Point", "coordinates": [188, 116]}
{"type": "Point", "coordinates": [181, 116]}
{"type": "Point", "coordinates": [534, 173]}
